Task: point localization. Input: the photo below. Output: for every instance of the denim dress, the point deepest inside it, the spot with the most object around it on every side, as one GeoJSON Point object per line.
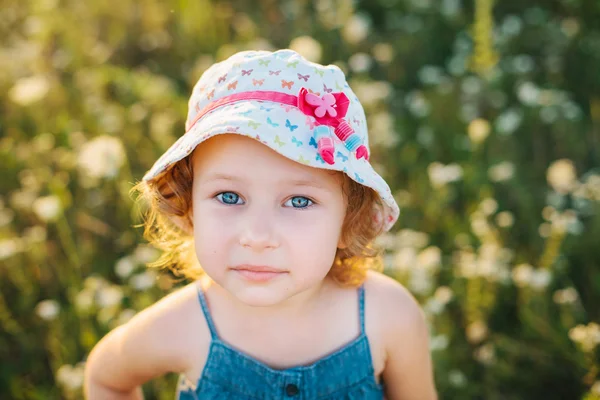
{"type": "Point", "coordinates": [230, 374]}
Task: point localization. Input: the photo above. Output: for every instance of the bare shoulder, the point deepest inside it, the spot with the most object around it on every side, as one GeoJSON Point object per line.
{"type": "Point", "coordinates": [391, 299]}
{"type": "Point", "coordinates": [173, 326]}
{"type": "Point", "coordinates": [156, 341]}
{"type": "Point", "coordinates": [404, 334]}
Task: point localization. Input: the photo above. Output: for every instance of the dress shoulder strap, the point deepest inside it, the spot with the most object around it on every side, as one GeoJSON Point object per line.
{"type": "Point", "coordinates": [206, 312]}
{"type": "Point", "coordinates": [361, 307]}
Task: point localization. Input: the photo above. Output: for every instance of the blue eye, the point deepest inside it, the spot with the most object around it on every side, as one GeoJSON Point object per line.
{"type": "Point", "coordinates": [228, 198]}
{"type": "Point", "coordinates": [299, 202]}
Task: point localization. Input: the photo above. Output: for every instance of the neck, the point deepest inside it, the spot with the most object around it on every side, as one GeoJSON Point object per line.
{"type": "Point", "coordinates": [300, 305]}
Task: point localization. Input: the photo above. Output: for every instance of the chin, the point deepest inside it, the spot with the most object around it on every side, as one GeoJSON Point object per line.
{"type": "Point", "coordinates": [261, 296]}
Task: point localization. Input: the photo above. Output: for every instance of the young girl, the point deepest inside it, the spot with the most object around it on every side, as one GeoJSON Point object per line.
{"type": "Point", "coordinates": [271, 192]}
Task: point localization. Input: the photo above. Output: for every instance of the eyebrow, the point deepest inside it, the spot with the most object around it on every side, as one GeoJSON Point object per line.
{"type": "Point", "coordinates": [289, 182]}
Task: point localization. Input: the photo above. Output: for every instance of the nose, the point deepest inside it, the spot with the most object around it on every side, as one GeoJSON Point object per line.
{"type": "Point", "coordinates": [257, 232]}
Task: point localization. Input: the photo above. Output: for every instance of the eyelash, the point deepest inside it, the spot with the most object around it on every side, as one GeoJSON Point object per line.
{"type": "Point", "coordinates": [312, 202]}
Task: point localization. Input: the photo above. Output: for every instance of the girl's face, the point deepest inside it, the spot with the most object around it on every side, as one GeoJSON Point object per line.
{"type": "Point", "coordinates": [254, 210]}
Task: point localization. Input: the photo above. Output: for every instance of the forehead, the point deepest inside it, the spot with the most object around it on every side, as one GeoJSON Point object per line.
{"type": "Point", "coordinates": [247, 159]}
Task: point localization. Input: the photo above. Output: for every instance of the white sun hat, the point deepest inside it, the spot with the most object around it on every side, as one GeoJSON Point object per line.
{"type": "Point", "coordinates": [303, 110]}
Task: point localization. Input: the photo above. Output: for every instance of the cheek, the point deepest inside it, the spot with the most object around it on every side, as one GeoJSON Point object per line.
{"type": "Point", "coordinates": [315, 237]}
{"type": "Point", "coordinates": [210, 238]}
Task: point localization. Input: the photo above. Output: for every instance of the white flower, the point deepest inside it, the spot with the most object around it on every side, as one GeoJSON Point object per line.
{"type": "Point", "coordinates": [360, 62]}
{"type": "Point", "coordinates": [528, 93]}
{"type": "Point", "coordinates": [471, 85]}
{"type": "Point", "coordinates": [84, 300]}
{"type": "Point", "coordinates": [433, 306]}
{"type": "Point", "coordinates": [505, 219]}
{"type": "Point", "coordinates": [70, 377]}
{"type": "Point", "coordinates": [489, 206]}
{"type": "Point", "coordinates": [479, 130]}
{"type": "Point", "coordinates": [47, 208]}
{"type": "Point", "coordinates": [417, 103]}
{"type": "Point", "coordinates": [508, 122]}
{"type": "Point", "coordinates": [565, 296]}
{"type": "Point", "coordinates": [466, 264]}
{"type": "Point", "coordinates": [476, 331]}
{"type": "Point", "coordinates": [124, 267]}
{"type": "Point", "coordinates": [588, 337]}
{"type": "Point", "coordinates": [430, 258]}
{"type": "Point", "coordinates": [383, 52]}
{"type": "Point", "coordinates": [47, 309]}
{"type": "Point", "coordinates": [106, 315]}
{"type": "Point", "coordinates": [102, 157]}
{"type": "Point", "coordinates": [443, 294]}
{"type": "Point", "coordinates": [485, 354]}
{"type": "Point", "coordinates": [578, 333]}
{"type": "Point", "coordinates": [372, 92]}
{"type": "Point", "coordinates": [94, 282]}
{"type": "Point", "coordinates": [386, 241]}
{"type": "Point", "coordinates": [144, 254]}
{"type": "Point", "coordinates": [479, 224]}
{"type": "Point", "coordinates": [561, 175]}
{"type": "Point", "coordinates": [511, 26]}
{"type": "Point", "coordinates": [522, 275]}
{"type": "Point", "coordinates": [457, 378]}
{"type": "Point", "coordinates": [570, 27]}
{"type": "Point", "coordinates": [411, 238]}
{"type": "Point", "coordinates": [9, 247]}
{"type": "Point", "coordinates": [29, 90]}
{"type": "Point", "coordinates": [143, 280]}
{"type": "Point", "coordinates": [431, 74]}
{"type": "Point", "coordinates": [405, 259]}
{"type": "Point", "coordinates": [109, 296]}
{"type": "Point", "coordinates": [502, 171]}
{"type": "Point", "coordinates": [356, 28]}
{"type": "Point", "coordinates": [438, 342]}
{"type": "Point", "coordinates": [420, 281]}
{"type": "Point", "coordinates": [540, 279]}
{"type": "Point", "coordinates": [307, 47]}
{"type": "Point", "coordinates": [440, 174]}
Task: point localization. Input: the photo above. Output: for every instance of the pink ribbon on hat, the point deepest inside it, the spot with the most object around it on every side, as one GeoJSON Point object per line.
{"type": "Point", "coordinates": [330, 110]}
{"type": "Point", "coordinates": [327, 110]}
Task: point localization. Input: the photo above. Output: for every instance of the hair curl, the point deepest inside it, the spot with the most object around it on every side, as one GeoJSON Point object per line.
{"type": "Point", "coordinates": [166, 203]}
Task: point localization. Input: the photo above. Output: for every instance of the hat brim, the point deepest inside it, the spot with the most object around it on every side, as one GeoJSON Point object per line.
{"type": "Point", "coordinates": [287, 131]}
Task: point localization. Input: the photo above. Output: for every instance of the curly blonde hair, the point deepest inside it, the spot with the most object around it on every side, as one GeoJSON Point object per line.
{"type": "Point", "coordinates": [166, 203]}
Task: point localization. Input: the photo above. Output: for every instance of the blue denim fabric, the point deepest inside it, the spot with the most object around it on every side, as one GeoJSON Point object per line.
{"type": "Point", "coordinates": [230, 374]}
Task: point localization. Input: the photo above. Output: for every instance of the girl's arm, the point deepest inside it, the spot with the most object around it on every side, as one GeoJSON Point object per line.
{"type": "Point", "coordinates": [146, 347]}
{"type": "Point", "coordinates": [408, 372]}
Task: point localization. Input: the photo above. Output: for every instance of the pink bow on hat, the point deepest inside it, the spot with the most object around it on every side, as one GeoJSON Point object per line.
{"type": "Point", "coordinates": [330, 109]}
{"type": "Point", "coordinates": [334, 104]}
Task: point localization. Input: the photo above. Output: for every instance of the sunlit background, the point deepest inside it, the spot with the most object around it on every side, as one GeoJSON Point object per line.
{"type": "Point", "coordinates": [484, 118]}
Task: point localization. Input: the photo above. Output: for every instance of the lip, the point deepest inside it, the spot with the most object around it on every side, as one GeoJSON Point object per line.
{"type": "Point", "coordinates": [257, 268]}
{"type": "Point", "coordinates": [258, 273]}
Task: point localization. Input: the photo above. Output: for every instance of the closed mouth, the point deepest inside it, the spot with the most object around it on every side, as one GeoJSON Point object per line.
{"type": "Point", "coordinates": [258, 268]}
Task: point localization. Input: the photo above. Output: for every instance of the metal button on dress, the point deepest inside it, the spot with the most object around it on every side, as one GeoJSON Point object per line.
{"type": "Point", "coordinates": [291, 389]}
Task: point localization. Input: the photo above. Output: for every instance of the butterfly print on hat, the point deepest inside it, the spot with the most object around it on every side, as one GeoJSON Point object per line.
{"type": "Point", "coordinates": [289, 125]}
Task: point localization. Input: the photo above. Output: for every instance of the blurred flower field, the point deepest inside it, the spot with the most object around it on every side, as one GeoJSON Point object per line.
{"type": "Point", "coordinates": [484, 118]}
